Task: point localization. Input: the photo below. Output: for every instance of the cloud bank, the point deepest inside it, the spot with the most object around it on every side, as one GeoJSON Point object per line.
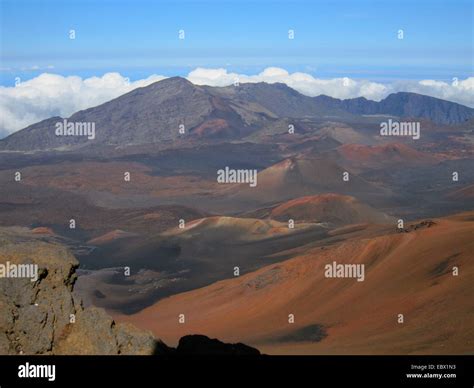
{"type": "Point", "coordinates": [54, 95]}
{"type": "Point", "coordinates": [460, 91]}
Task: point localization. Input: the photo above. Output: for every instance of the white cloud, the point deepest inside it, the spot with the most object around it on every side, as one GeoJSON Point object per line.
{"type": "Point", "coordinates": [54, 95]}
{"type": "Point", "coordinates": [50, 95]}
{"type": "Point", "coordinates": [303, 82]}
{"type": "Point", "coordinates": [461, 91]}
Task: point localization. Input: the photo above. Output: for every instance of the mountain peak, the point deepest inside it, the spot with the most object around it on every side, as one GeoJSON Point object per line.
{"type": "Point", "coordinates": [177, 83]}
{"type": "Point", "coordinates": [176, 80]}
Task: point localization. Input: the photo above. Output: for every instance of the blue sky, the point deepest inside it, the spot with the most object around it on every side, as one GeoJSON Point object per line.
{"type": "Point", "coordinates": [357, 39]}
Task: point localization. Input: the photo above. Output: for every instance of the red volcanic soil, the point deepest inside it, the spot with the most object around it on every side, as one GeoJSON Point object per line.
{"type": "Point", "coordinates": [405, 273]}
{"type": "Point", "coordinates": [373, 156]}
{"type": "Point", "coordinates": [334, 208]}
{"type": "Point", "coordinates": [300, 176]}
{"type": "Point", "coordinates": [344, 134]}
{"type": "Point", "coordinates": [212, 127]}
{"type": "Point", "coordinates": [43, 230]}
{"type": "Point", "coordinates": [304, 172]}
{"type": "Point", "coordinates": [236, 229]}
{"type": "Point", "coordinates": [110, 237]}
{"type": "Point", "coordinates": [84, 177]}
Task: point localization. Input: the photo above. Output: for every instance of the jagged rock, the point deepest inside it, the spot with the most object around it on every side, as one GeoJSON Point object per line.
{"type": "Point", "coordinates": [420, 225]}
{"type": "Point", "coordinates": [36, 316]}
{"type": "Point", "coordinates": [202, 345]}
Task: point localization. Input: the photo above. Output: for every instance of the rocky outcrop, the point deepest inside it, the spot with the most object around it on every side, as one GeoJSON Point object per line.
{"type": "Point", "coordinates": [202, 345]}
{"type": "Point", "coordinates": [419, 225]}
{"type": "Point", "coordinates": [43, 316]}
{"type": "Point", "coordinates": [404, 104]}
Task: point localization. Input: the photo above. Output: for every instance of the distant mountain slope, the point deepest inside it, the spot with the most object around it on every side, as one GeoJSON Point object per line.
{"type": "Point", "coordinates": [301, 176]}
{"type": "Point", "coordinates": [334, 208]}
{"type": "Point", "coordinates": [154, 114]}
{"type": "Point", "coordinates": [279, 99]}
{"type": "Point", "coordinates": [144, 115]}
{"type": "Point", "coordinates": [361, 157]}
{"type": "Point", "coordinates": [404, 104]}
{"type": "Point", "coordinates": [235, 229]}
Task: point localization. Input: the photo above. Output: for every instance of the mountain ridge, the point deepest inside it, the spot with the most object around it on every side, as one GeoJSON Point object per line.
{"type": "Point", "coordinates": [156, 113]}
